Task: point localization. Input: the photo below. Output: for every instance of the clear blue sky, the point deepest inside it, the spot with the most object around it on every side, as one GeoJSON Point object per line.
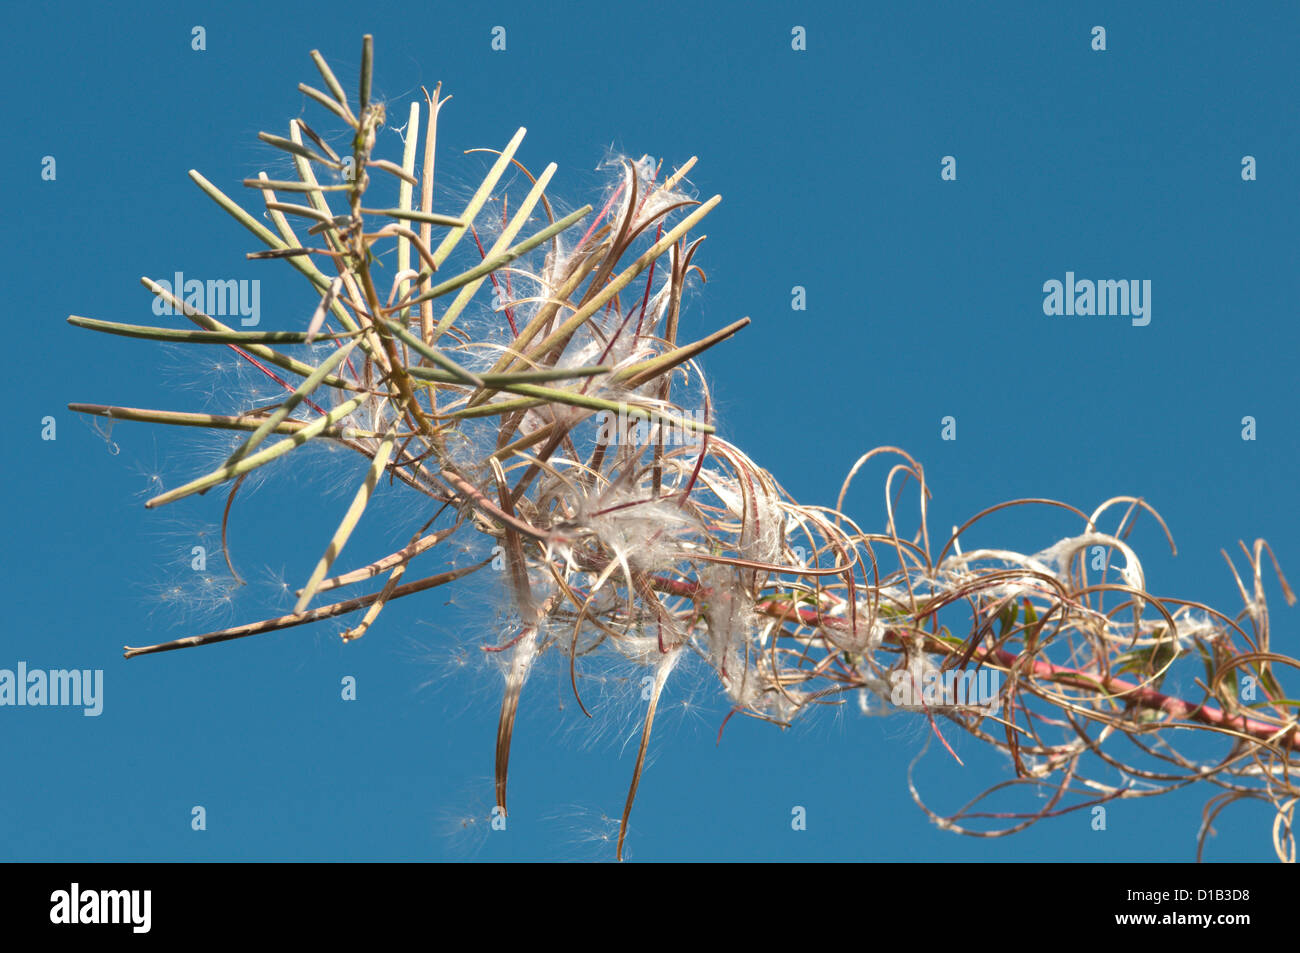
{"type": "Point", "coordinates": [924, 300]}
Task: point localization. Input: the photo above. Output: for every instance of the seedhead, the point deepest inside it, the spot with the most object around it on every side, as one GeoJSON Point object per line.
{"type": "Point", "coordinates": [523, 372]}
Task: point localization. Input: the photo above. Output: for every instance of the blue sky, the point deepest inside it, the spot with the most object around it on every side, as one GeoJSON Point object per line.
{"type": "Point", "coordinates": [924, 299]}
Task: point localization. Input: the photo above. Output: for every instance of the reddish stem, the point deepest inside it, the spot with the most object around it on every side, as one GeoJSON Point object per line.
{"type": "Point", "coordinates": [1147, 698]}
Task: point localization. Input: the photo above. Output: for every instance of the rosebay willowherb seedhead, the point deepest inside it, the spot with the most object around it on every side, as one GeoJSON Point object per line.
{"type": "Point", "coordinates": [523, 370]}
